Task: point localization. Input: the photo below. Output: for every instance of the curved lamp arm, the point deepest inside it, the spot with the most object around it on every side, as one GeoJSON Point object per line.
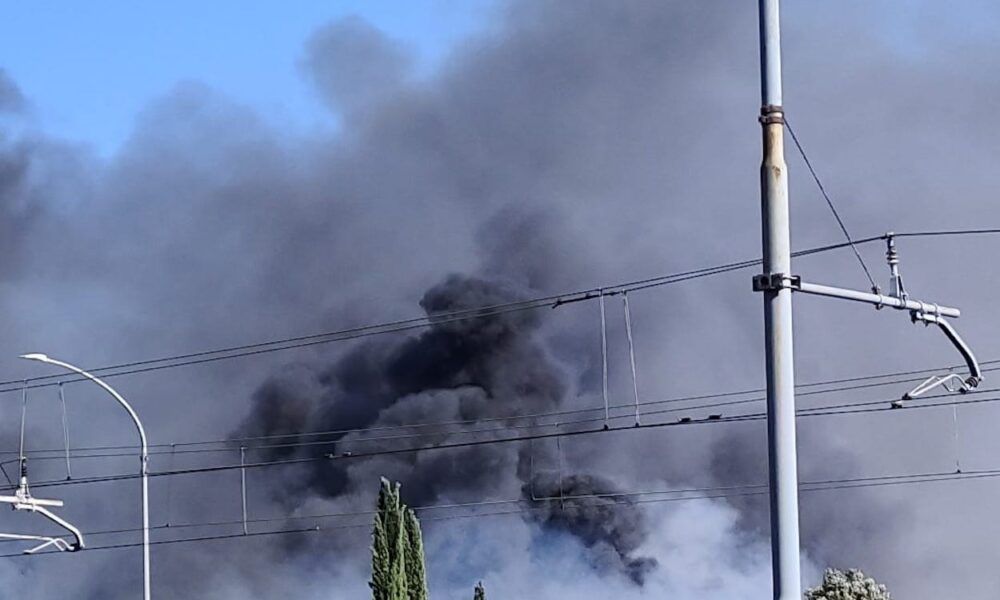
{"type": "Point", "coordinates": [128, 407]}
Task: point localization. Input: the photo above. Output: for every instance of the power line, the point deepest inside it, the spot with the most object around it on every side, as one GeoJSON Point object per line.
{"type": "Point", "coordinates": [829, 202]}
{"type": "Point", "coordinates": [803, 412]}
{"type": "Point", "coordinates": [245, 350]}
{"type": "Point", "coordinates": [876, 406]}
{"type": "Point", "coordinates": [207, 356]}
{"type": "Point", "coordinates": [723, 492]}
{"type": "Point", "coordinates": [389, 327]}
{"type": "Point", "coordinates": [505, 426]}
{"type": "Point", "coordinates": [947, 232]}
{"type": "Point", "coordinates": [171, 449]}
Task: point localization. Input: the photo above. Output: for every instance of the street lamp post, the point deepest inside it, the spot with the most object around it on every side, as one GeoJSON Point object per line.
{"type": "Point", "coordinates": [143, 457]}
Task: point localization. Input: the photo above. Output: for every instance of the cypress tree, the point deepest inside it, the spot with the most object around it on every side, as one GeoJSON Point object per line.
{"type": "Point", "coordinates": [389, 544]}
{"type": "Point", "coordinates": [380, 545]}
{"type": "Point", "coordinates": [398, 586]}
{"type": "Point", "coordinates": [416, 571]}
{"type": "Point", "coordinates": [480, 592]}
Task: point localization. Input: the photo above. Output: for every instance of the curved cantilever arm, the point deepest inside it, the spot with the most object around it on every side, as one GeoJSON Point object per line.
{"type": "Point", "coordinates": [78, 543]}
{"type": "Point", "coordinates": [21, 502]}
{"type": "Point", "coordinates": [919, 311]}
{"type": "Point", "coordinates": [975, 373]}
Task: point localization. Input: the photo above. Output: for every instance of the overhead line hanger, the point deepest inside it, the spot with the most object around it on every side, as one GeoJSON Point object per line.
{"type": "Point", "coordinates": [23, 500]}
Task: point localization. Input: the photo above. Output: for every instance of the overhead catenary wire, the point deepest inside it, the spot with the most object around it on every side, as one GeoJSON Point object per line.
{"type": "Point", "coordinates": [829, 202]}
{"type": "Point", "coordinates": [631, 353]}
{"type": "Point", "coordinates": [680, 494]}
{"type": "Point", "coordinates": [877, 406]}
{"type": "Point", "coordinates": [948, 232]}
{"type": "Point", "coordinates": [505, 421]}
{"type": "Point", "coordinates": [65, 427]}
{"type": "Point", "coordinates": [24, 416]}
{"type": "Point", "coordinates": [958, 446]}
{"type": "Point", "coordinates": [419, 322]}
{"type": "Point", "coordinates": [243, 488]}
{"type": "Point", "coordinates": [604, 357]}
{"type": "Point", "coordinates": [245, 350]}
{"type": "Point", "coordinates": [170, 486]}
{"type": "Point", "coordinates": [725, 492]}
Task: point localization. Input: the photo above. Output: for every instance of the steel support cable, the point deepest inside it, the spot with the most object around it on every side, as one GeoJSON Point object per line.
{"type": "Point", "coordinates": [229, 441]}
{"type": "Point", "coordinates": [604, 358]}
{"type": "Point", "coordinates": [90, 453]}
{"type": "Point", "coordinates": [397, 326]}
{"type": "Point", "coordinates": [207, 356]}
{"type": "Point", "coordinates": [829, 202]}
{"type": "Point", "coordinates": [265, 520]}
{"type": "Point", "coordinates": [65, 426]}
{"type": "Point", "coordinates": [682, 493]}
{"type": "Point", "coordinates": [24, 415]}
{"type": "Point", "coordinates": [878, 406]}
{"type": "Point", "coordinates": [946, 232]}
{"type": "Point", "coordinates": [631, 353]}
{"type": "Point", "coordinates": [751, 490]}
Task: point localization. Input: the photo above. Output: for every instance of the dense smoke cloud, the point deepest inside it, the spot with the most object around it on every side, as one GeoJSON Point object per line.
{"type": "Point", "coordinates": [465, 374]}
{"type": "Point", "coordinates": [612, 527]}
{"type": "Point", "coordinates": [571, 144]}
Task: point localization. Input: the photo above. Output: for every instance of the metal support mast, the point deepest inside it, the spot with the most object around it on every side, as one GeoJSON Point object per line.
{"type": "Point", "coordinates": [781, 445]}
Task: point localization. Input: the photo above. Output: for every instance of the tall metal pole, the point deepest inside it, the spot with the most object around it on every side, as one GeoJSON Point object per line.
{"type": "Point", "coordinates": [143, 458]}
{"type": "Point", "coordinates": [781, 445]}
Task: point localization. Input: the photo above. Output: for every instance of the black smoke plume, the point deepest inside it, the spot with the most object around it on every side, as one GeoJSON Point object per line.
{"type": "Point", "coordinates": [610, 525]}
{"type": "Point", "coordinates": [458, 371]}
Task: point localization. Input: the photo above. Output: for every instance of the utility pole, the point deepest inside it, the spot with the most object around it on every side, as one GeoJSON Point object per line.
{"type": "Point", "coordinates": [781, 445]}
{"type": "Point", "coordinates": [777, 283]}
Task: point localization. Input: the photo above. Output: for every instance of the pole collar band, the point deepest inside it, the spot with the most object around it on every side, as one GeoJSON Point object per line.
{"type": "Point", "coordinates": [770, 114]}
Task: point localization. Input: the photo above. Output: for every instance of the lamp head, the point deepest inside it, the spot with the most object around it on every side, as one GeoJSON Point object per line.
{"type": "Point", "coordinates": [36, 356]}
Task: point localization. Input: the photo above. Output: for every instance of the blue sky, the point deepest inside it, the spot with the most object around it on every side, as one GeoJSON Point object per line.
{"type": "Point", "coordinates": [90, 67]}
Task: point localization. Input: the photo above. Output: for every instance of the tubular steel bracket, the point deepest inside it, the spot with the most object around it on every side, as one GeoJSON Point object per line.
{"type": "Point", "coordinates": [898, 298]}
{"type": "Point", "coordinates": [931, 315]}
{"type": "Point", "coordinates": [22, 500]}
{"type": "Point", "coordinates": [945, 381]}
{"type": "Point", "coordinates": [920, 312]}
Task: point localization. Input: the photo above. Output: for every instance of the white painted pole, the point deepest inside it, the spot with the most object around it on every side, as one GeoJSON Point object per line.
{"type": "Point", "coordinates": [780, 374]}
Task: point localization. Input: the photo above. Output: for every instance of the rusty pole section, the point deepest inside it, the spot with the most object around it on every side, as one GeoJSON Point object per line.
{"type": "Point", "coordinates": [781, 444]}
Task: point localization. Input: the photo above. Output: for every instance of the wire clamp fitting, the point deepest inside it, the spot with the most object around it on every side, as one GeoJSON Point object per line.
{"type": "Point", "coordinates": [770, 282]}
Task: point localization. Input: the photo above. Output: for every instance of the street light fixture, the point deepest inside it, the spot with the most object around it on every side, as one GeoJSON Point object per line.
{"type": "Point", "coordinates": [143, 457]}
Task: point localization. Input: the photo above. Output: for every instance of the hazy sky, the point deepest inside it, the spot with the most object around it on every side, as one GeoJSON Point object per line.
{"type": "Point", "coordinates": [90, 67]}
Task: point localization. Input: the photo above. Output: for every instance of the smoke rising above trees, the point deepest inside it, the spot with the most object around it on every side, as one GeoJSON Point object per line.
{"type": "Point", "coordinates": [571, 144]}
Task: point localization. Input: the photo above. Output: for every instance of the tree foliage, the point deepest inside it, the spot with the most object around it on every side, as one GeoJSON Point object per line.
{"type": "Point", "coordinates": [416, 574]}
{"type": "Point", "coordinates": [398, 571]}
{"type": "Point", "coordinates": [480, 592]}
{"type": "Point", "coordinates": [849, 585]}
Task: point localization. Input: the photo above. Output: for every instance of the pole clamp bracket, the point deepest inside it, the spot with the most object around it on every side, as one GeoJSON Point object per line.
{"type": "Point", "coordinates": [770, 282]}
{"type": "Point", "coordinates": [771, 114]}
